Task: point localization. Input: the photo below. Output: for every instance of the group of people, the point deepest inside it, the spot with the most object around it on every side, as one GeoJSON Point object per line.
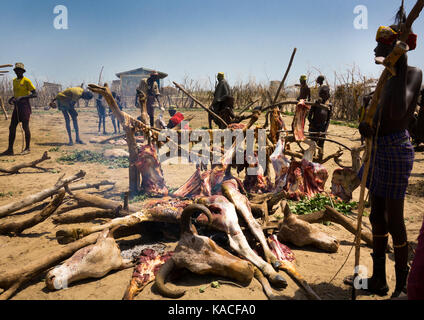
{"type": "Point", "coordinates": [393, 152]}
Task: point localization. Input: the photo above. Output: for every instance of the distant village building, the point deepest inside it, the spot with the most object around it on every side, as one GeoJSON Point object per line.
{"type": "Point", "coordinates": [51, 89]}
{"type": "Point", "coordinates": [130, 80]}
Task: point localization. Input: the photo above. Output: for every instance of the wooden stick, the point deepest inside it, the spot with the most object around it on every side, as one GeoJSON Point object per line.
{"type": "Point", "coordinates": [16, 227]}
{"type": "Point", "coordinates": [92, 185]}
{"type": "Point", "coordinates": [14, 206]}
{"type": "Point", "coordinates": [12, 280]}
{"type": "Point", "coordinates": [4, 109]}
{"type": "Point", "coordinates": [285, 76]}
{"type": "Point", "coordinates": [32, 164]}
{"type": "Point", "coordinates": [213, 114]}
{"type": "Point", "coordinates": [6, 65]}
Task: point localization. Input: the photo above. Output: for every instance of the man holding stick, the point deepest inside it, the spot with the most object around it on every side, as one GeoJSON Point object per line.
{"type": "Point", "coordinates": [392, 158]}
{"type": "Point", "coordinates": [23, 91]}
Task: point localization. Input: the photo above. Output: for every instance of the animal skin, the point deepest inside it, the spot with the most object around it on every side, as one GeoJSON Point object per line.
{"type": "Point", "coordinates": [301, 233]}
{"type": "Point", "coordinates": [298, 125]}
{"type": "Point", "coordinates": [201, 255]}
{"type": "Point", "coordinates": [94, 261]}
{"type": "Point", "coordinates": [145, 271]}
{"type": "Point", "coordinates": [148, 165]}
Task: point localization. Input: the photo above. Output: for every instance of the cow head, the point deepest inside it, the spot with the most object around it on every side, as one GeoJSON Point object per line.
{"type": "Point", "coordinates": [302, 233]}
{"type": "Point", "coordinates": [201, 255]}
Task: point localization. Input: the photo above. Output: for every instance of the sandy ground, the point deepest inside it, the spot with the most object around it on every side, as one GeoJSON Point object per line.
{"type": "Point", "coordinates": [48, 133]}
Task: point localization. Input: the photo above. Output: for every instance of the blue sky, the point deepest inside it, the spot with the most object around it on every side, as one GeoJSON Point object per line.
{"type": "Point", "coordinates": [196, 38]}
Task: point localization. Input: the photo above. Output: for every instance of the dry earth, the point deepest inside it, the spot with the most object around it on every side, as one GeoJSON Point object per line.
{"type": "Point", "coordinates": [48, 133]}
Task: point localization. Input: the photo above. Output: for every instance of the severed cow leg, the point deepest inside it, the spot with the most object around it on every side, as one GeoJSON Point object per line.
{"type": "Point", "coordinates": [164, 210]}
{"type": "Point", "coordinates": [224, 218]}
{"type": "Point", "coordinates": [231, 192]}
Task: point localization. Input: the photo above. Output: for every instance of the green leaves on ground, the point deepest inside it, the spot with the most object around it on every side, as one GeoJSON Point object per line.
{"type": "Point", "coordinates": [93, 157]}
{"type": "Point", "coordinates": [318, 203]}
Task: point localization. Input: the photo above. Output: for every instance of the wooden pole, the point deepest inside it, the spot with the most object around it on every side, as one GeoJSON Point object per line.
{"type": "Point", "coordinates": [285, 76]}
{"type": "Point", "coordinates": [4, 109]}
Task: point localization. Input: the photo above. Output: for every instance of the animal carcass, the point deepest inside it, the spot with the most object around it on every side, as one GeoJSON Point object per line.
{"type": "Point", "coordinates": [94, 261]}
{"type": "Point", "coordinates": [302, 233]}
{"type": "Point", "coordinates": [299, 179]}
{"type": "Point", "coordinates": [145, 271]}
{"type": "Point", "coordinates": [148, 165]}
{"type": "Point", "coordinates": [201, 255]}
{"type": "Point", "coordinates": [298, 125]}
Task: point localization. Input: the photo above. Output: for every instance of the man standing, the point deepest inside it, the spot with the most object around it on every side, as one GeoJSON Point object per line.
{"type": "Point", "coordinates": [319, 116]}
{"type": "Point", "coordinates": [222, 92]}
{"type": "Point", "coordinates": [153, 96]}
{"type": "Point", "coordinates": [392, 161]}
{"type": "Point", "coordinates": [101, 112]}
{"type": "Point", "coordinates": [305, 92]}
{"type": "Point", "coordinates": [23, 90]}
{"type": "Point", "coordinates": [66, 101]}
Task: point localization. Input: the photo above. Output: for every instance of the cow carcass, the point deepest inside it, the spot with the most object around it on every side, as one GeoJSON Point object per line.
{"type": "Point", "coordinates": [94, 261]}
{"type": "Point", "coordinates": [299, 179]}
{"type": "Point", "coordinates": [145, 271]}
{"type": "Point", "coordinates": [301, 233]}
{"type": "Point", "coordinates": [298, 125]}
{"type": "Point", "coordinates": [147, 163]}
{"type": "Point", "coordinates": [224, 218]}
{"type": "Point", "coordinates": [201, 255]}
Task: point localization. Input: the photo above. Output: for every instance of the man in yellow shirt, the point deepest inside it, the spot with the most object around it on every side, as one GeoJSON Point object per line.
{"type": "Point", "coordinates": [23, 90]}
{"type": "Point", "coordinates": [66, 101]}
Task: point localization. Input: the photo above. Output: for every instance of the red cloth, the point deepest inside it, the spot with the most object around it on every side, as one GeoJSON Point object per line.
{"type": "Point", "coordinates": [177, 118]}
{"type": "Point", "coordinates": [416, 276]}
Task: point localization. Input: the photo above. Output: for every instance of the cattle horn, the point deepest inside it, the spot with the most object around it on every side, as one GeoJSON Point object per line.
{"type": "Point", "coordinates": [160, 281]}
{"type": "Point", "coordinates": [185, 220]}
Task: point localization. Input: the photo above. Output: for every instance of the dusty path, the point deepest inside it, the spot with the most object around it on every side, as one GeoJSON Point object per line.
{"type": "Point", "coordinates": [48, 132]}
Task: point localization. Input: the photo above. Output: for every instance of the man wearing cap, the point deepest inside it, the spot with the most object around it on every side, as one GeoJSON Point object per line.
{"type": "Point", "coordinates": [305, 92]}
{"type": "Point", "coordinates": [320, 115]}
{"type": "Point", "coordinates": [222, 91]}
{"type": "Point", "coordinates": [393, 159]}
{"type": "Point", "coordinates": [153, 96]}
{"type": "Point", "coordinates": [66, 101]}
{"type": "Point", "coordinates": [23, 90]}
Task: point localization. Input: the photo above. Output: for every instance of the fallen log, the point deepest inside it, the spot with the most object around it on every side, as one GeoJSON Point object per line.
{"type": "Point", "coordinates": [14, 206]}
{"type": "Point", "coordinates": [11, 281]}
{"type": "Point", "coordinates": [16, 227]}
{"type": "Point", "coordinates": [88, 200]}
{"type": "Point", "coordinates": [32, 164]}
{"type": "Point", "coordinates": [91, 185]}
{"type": "Point", "coordinates": [78, 217]}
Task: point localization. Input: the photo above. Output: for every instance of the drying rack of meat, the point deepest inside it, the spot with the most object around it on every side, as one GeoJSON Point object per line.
{"type": "Point", "coordinates": [214, 198]}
